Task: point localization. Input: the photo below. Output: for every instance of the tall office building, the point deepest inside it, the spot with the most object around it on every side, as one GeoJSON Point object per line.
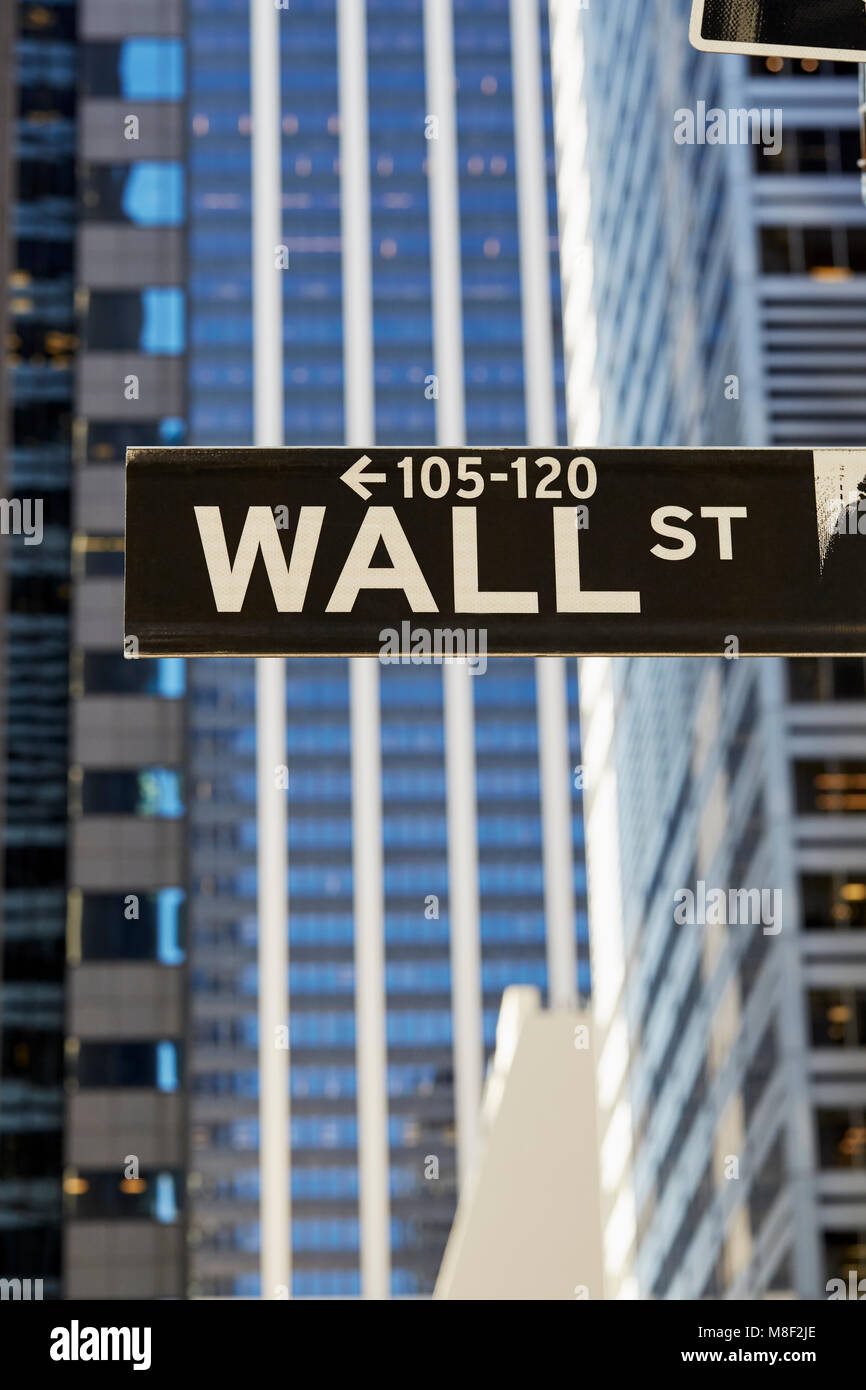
{"type": "Point", "coordinates": [37, 136]}
{"type": "Point", "coordinates": [722, 294]}
{"type": "Point", "coordinates": [435, 843]}
{"type": "Point", "coordinates": [124, 1151]}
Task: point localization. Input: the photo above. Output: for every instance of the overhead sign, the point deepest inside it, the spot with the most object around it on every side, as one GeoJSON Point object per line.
{"type": "Point", "coordinates": [786, 28]}
{"type": "Point", "coordinates": [313, 552]}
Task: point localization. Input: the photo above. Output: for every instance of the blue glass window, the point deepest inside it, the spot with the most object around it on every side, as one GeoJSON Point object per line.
{"type": "Point", "coordinates": [152, 69]}
{"type": "Point", "coordinates": [163, 329]}
{"type": "Point", "coordinates": [153, 194]}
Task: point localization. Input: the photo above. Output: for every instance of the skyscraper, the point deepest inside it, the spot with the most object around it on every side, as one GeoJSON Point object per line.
{"type": "Point", "coordinates": [721, 286]}
{"type": "Point", "coordinates": [124, 1151]}
{"type": "Point", "coordinates": [432, 316]}
{"type": "Point", "coordinates": [37, 134]}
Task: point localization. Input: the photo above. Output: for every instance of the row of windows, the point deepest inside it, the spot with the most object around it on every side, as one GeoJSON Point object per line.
{"type": "Point", "coordinates": [420, 877]}
{"type": "Point", "coordinates": [308, 1233]}
{"type": "Point", "coordinates": [156, 1065]}
{"type": "Point", "coordinates": [812, 152]}
{"type": "Point", "coordinates": [326, 1082]}
{"type": "Point", "coordinates": [409, 832]}
{"type": "Point", "coordinates": [816, 251]}
{"type": "Point", "coordinates": [336, 1183]}
{"type": "Point", "coordinates": [838, 1017]}
{"type": "Point", "coordinates": [230, 368]}
{"type": "Point", "coordinates": [151, 321]}
{"type": "Point", "coordinates": [309, 1132]}
{"type": "Point", "coordinates": [489, 326]}
{"type": "Point", "coordinates": [309, 737]}
{"type": "Point", "coordinates": [403, 783]}
{"type": "Point", "coordinates": [229, 687]}
{"type": "Point", "coordinates": [104, 673]}
{"type": "Point", "coordinates": [405, 1028]}
{"type": "Point", "coordinates": [132, 926]}
{"type": "Point", "coordinates": [800, 67]}
{"type": "Point", "coordinates": [147, 792]}
{"type": "Point", "coordinates": [139, 69]}
{"type": "Point", "coordinates": [308, 1283]}
{"type": "Point", "coordinates": [225, 425]}
{"type": "Point", "coordinates": [842, 1137]}
{"type": "Point", "coordinates": [833, 901]}
{"type": "Point", "coordinates": [156, 1196]}
{"type": "Point", "coordinates": [820, 678]}
{"type": "Point", "coordinates": [329, 927]}
{"type": "Point", "coordinates": [148, 193]}
{"type": "Point", "coordinates": [401, 977]}
{"type": "Point", "coordinates": [831, 787]}
{"type": "Point", "coordinates": [107, 442]}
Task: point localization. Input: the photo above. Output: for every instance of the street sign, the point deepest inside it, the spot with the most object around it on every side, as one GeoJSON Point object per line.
{"type": "Point", "coordinates": [784, 28]}
{"type": "Point", "coordinates": [407, 554]}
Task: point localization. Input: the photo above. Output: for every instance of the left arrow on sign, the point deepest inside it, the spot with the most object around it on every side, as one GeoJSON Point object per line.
{"type": "Point", "coordinates": [355, 477]}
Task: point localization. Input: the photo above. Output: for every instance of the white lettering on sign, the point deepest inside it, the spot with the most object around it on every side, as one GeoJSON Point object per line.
{"type": "Point", "coordinates": [468, 598]}
{"type": "Point", "coordinates": [381, 524]}
{"type": "Point", "coordinates": [231, 581]}
{"type": "Point", "coordinates": [570, 598]}
{"type": "Point", "coordinates": [723, 516]}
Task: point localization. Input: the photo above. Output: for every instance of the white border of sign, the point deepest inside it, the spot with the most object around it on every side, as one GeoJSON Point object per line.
{"type": "Point", "coordinates": [696, 39]}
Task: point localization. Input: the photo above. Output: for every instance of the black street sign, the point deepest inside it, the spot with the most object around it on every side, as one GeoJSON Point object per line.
{"type": "Point", "coordinates": [786, 28]}
{"type": "Point", "coordinates": [388, 551]}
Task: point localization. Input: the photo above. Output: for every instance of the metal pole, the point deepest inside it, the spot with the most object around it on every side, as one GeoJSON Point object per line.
{"type": "Point", "coordinates": [275, 1257]}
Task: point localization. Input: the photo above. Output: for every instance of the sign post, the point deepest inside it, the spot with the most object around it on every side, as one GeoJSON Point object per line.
{"type": "Point", "coordinates": [492, 552]}
{"type": "Point", "coordinates": [831, 29]}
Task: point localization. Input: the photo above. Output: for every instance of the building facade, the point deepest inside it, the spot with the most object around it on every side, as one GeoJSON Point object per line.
{"type": "Point", "coordinates": [409, 156]}
{"type": "Point", "coordinates": [124, 1173]}
{"type": "Point", "coordinates": [37, 225]}
{"type": "Point", "coordinates": [722, 285]}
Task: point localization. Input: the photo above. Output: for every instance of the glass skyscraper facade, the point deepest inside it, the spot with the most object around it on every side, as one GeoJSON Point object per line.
{"type": "Point", "coordinates": [725, 286]}
{"type": "Point", "coordinates": [92, 1169]}
{"type": "Point", "coordinates": [507, 791]}
{"type": "Point", "coordinates": [38, 225]}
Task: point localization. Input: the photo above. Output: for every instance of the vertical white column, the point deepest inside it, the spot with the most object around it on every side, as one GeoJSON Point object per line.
{"type": "Point", "coordinates": [367, 857]}
{"type": "Point", "coordinates": [579, 329]}
{"type": "Point", "coordinates": [463, 890]}
{"type": "Point", "coordinates": [275, 1260]}
{"type": "Point", "coordinates": [540, 397]}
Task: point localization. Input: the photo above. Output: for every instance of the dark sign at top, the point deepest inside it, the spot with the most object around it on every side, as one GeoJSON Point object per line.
{"type": "Point", "coordinates": [787, 28]}
{"type": "Point", "coordinates": [312, 552]}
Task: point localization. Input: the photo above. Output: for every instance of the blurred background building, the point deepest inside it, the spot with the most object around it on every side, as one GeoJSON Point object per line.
{"type": "Point", "coordinates": [139, 116]}
{"type": "Point", "coordinates": [527, 1224]}
{"type": "Point", "coordinates": [724, 293]}
{"type": "Point", "coordinates": [507, 908]}
{"type": "Point", "coordinates": [37, 223]}
{"type": "Point", "coordinates": [127, 1009]}
{"type": "Point", "coordinates": [712, 294]}
{"type": "Point", "coordinates": [92, 1123]}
